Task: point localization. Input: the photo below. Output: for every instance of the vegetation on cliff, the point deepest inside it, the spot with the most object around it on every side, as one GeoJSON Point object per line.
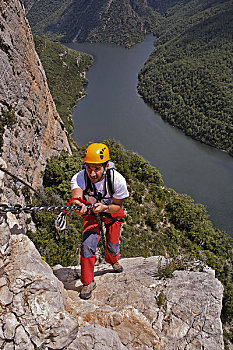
{"type": "Point", "coordinates": [65, 70]}
{"type": "Point", "coordinates": [158, 220]}
{"type": "Point", "coordinates": [7, 119]}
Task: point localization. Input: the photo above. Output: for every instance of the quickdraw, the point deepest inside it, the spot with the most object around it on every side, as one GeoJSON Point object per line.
{"type": "Point", "coordinates": [60, 222]}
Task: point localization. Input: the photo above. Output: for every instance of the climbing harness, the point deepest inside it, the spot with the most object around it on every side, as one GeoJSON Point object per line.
{"type": "Point", "coordinates": [108, 185]}
{"type": "Point", "coordinates": [61, 219]}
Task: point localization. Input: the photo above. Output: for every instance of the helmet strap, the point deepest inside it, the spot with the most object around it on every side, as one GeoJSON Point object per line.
{"type": "Point", "coordinates": [105, 165]}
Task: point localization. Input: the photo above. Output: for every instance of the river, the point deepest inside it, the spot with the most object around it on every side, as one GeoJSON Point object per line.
{"type": "Point", "coordinates": [113, 109]}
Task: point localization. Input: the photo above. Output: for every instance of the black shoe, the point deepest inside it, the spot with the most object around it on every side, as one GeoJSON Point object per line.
{"type": "Point", "coordinates": [117, 267]}
{"type": "Point", "coordinates": [87, 290]}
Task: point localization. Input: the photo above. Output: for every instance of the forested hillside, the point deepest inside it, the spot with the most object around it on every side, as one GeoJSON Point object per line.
{"type": "Point", "coordinates": [65, 70]}
{"type": "Point", "coordinates": [158, 221]}
{"type": "Point", "coordinates": [161, 6]}
{"type": "Point", "coordinates": [189, 77]}
{"type": "Point", "coordinates": [123, 22]}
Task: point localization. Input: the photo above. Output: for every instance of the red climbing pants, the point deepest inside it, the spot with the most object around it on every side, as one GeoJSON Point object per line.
{"type": "Point", "coordinates": [90, 239]}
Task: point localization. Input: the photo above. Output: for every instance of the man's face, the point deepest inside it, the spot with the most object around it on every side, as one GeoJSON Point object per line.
{"type": "Point", "coordinates": [94, 172]}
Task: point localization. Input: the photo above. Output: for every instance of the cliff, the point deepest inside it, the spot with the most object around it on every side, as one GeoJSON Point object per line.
{"type": "Point", "coordinates": [33, 130]}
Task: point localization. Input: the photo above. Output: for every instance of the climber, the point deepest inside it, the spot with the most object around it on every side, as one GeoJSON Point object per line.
{"type": "Point", "coordinates": [102, 185]}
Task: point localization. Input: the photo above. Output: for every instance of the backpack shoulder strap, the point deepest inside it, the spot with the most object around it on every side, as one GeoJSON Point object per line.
{"type": "Point", "coordinates": [110, 181]}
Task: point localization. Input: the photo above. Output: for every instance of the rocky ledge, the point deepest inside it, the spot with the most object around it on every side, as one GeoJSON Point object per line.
{"type": "Point", "coordinates": [144, 312]}
{"type": "Point", "coordinates": [41, 308]}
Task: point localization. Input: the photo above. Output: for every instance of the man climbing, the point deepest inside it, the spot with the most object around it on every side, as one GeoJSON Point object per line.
{"type": "Point", "coordinates": [106, 189]}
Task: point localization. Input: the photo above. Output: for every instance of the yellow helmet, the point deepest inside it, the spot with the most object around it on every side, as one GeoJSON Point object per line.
{"type": "Point", "coordinates": [97, 153]}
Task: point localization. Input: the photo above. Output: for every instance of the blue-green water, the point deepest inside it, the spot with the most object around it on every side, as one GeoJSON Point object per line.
{"type": "Point", "coordinates": [113, 109]}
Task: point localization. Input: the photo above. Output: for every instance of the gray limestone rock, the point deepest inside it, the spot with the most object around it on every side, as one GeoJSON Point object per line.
{"type": "Point", "coordinates": [10, 324]}
{"type": "Point", "coordinates": [6, 296]}
{"type": "Point", "coordinates": [36, 298]}
{"type": "Point", "coordinates": [182, 312]}
{"type": "Point", "coordinates": [22, 340]}
{"type": "Point", "coordinates": [131, 310]}
{"type": "Point", "coordinates": [96, 337]}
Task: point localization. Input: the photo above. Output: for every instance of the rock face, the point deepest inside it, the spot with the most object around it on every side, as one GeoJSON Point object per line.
{"type": "Point", "coordinates": [35, 131]}
{"type": "Point", "coordinates": [31, 299]}
{"type": "Point", "coordinates": [144, 312]}
{"type": "Point", "coordinates": [32, 303]}
{"type": "Point", "coordinates": [131, 310]}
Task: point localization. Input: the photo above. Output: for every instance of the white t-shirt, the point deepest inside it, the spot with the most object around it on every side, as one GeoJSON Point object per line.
{"type": "Point", "coordinates": [120, 187]}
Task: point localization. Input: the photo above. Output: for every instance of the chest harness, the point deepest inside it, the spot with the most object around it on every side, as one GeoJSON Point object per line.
{"type": "Point", "coordinates": [91, 191]}
{"type": "Point", "coordinates": [90, 188]}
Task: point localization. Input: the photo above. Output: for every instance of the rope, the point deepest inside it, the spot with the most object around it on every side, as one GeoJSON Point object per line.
{"type": "Point", "coordinates": [24, 183]}
{"type": "Point", "coordinates": [17, 208]}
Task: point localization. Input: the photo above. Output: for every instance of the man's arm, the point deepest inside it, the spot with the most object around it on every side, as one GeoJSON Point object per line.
{"type": "Point", "coordinates": [111, 208]}
{"type": "Point", "coordinates": [78, 193]}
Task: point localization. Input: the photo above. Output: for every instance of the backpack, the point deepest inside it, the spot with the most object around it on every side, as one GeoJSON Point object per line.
{"type": "Point", "coordinates": [109, 183]}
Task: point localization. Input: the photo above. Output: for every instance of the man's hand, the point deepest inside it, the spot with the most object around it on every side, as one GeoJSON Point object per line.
{"type": "Point", "coordinates": [83, 208]}
{"type": "Point", "coordinates": [99, 207]}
